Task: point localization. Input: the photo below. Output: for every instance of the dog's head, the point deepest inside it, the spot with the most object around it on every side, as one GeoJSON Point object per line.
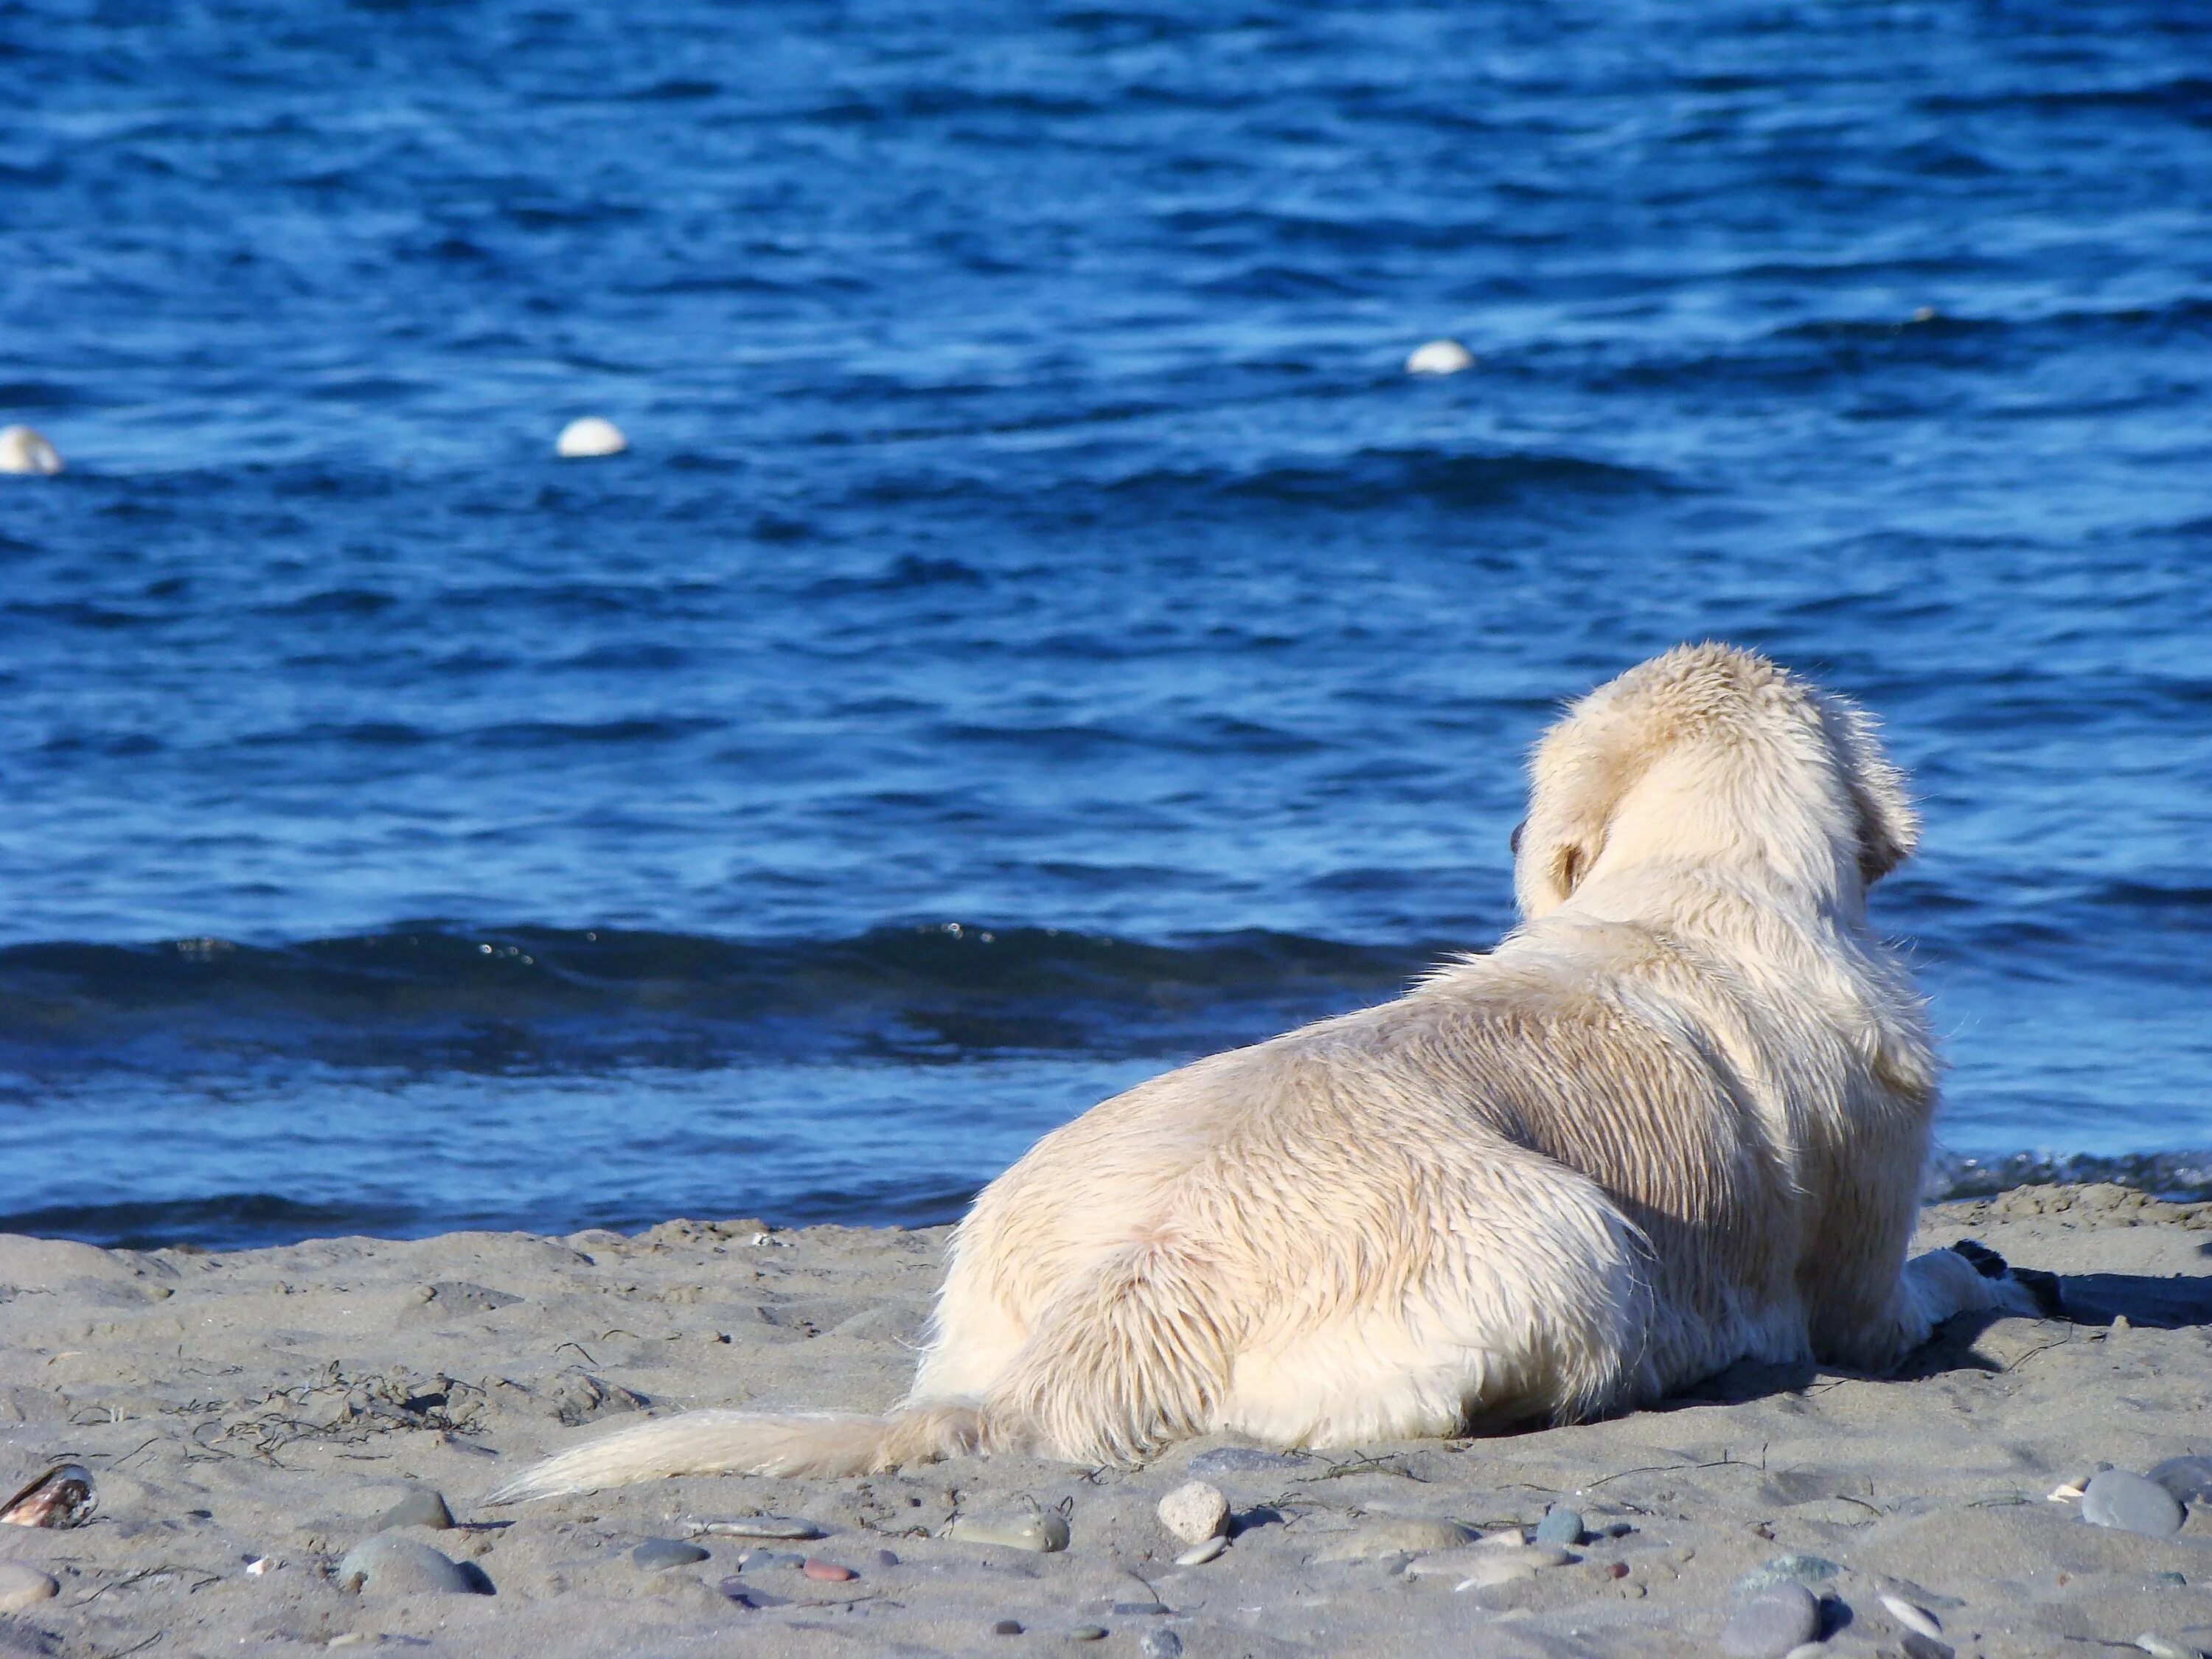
{"type": "Point", "coordinates": [1713, 755]}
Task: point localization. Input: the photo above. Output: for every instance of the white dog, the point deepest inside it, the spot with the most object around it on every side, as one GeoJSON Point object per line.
{"type": "Point", "coordinates": [1677, 1120]}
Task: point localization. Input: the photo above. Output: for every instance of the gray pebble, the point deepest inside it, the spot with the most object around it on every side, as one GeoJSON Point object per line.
{"type": "Point", "coordinates": [1045, 1533]}
{"type": "Point", "coordinates": [1087, 1634]}
{"type": "Point", "coordinates": [2116, 1498]}
{"type": "Point", "coordinates": [1560, 1526]}
{"type": "Point", "coordinates": [2172, 1580]}
{"type": "Point", "coordinates": [659, 1554]}
{"type": "Point", "coordinates": [1917, 1646]}
{"type": "Point", "coordinates": [2189, 1479]}
{"type": "Point", "coordinates": [1242, 1460]}
{"type": "Point", "coordinates": [886, 1559]}
{"type": "Point", "coordinates": [1127, 1609]}
{"type": "Point", "coordinates": [757, 1526]}
{"type": "Point", "coordinates": [1161, 1643]}
{"type": "Point", "coordinates": [761, 1560]}
{"type": "Point", "coordinates": [387, 1563]}
{"type": "Point", "coordinates": [1771, 1623]}
{"type": "Point", "coordinates": [420, 1508]}
{"type": "Point", "coordinates": [1786, 1569]}
{"type": "Point", "coordinates": [1008, 1627]}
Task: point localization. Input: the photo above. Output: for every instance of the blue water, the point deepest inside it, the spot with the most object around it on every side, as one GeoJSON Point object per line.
{"type": "Point", "coordinates": [1039, 634]}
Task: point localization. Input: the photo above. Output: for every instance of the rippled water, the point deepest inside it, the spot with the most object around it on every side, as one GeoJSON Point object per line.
{"type": "Point", "coordinates": [1029, 527]}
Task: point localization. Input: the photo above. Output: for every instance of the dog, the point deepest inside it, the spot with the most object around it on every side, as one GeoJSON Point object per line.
{"type": "Point", "coordinates": [1677, 1118]}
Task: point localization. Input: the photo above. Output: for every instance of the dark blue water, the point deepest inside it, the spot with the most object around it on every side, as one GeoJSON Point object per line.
{"type": "Point", "coordinates": [1039, 634]}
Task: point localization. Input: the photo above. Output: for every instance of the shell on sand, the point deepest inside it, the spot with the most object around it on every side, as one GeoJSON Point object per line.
{"type": "Point", "coordinates": [62, 1497]}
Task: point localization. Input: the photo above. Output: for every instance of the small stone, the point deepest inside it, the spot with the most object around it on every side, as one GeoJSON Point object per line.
{"type": "Point", "coordinates": [762, 1560]}
{"type": "Point", "coordinates": [1161, 1643]}
{"type": "Point", "coordinates": [1799, 1570]}
{"type": "Point", "coordinates": [1560, 1526]}
{"type": "Point", "coordinates": [2165, 1647]}
{"type": "Point", "coordinates": [2130, 1502]}
{"type": "Point", "coordinates": [1141, 1609]}
{"type": "Point", "coordinates": [1475, 1558]}
{"type": "Point", "coordinates": [1499, 1567]}
{"type": "Point", "coordinates": [1383, 1537]}
{"type": "Point", "coordinates": [1917, 1646]}
{"type": "Point", "coordinates": [389, 1563]}
{"type": "Point", "coordinates": [756, 1526]}
{"type": "Point", "coordinates": [2189, 1479]}
{"type": "Point", "coordinates": [826, 1572]}
{"type": "Point", "coordinates": [1911, 1616]}
{"type": "Point", "coordinates": [1225, 1460]}
{"type": "Point", "coordinates": [24, 1586]}
{"type": "Point", "coordinates": [1195, 1512]}
{"type": "Point", "coordinates": [1008, 1627]}
{"type": "Point", "coordinates": [1616, 1569]}
{"type": "Point", "coordinates": [1199, 1555]}
{"type": "Point", "coordinates": [886, 1559]}
{"type": "Point", "coordinates": [1505, 1538]}
{"type": "Point", "coordinates": [1087, 1634]}
{"type": "Point", "coordinates": [421, 1507]}
{"type": "Point", "coordinates": [2170, 1580]}
{"type": "Point", "coordinates": [590, 435]}
{"type": "Point", "coordinates": [1771, 1623]}
{"type": "Point", "coordinates": [1814, 1649]}
{"type": "Point", "coordinates": [659, 1554]}
{"type": "Point", "coordinates": [1040, 1532]}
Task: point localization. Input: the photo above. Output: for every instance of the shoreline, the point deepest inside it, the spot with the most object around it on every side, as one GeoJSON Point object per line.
{"type": "Point", "coordinates": [270, 1405]}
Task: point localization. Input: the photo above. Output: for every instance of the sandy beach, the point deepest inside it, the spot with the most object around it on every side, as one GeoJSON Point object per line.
{"type": "Point", "coordinates": [248, 1419]}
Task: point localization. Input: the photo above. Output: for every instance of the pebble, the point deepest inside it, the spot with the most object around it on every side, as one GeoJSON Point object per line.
{"type": "Point", "coordinates": [421, 1507]}
{"type": "Point", "coordinates": [1444, 1564]}
{"type": "Point", "coordinates": [25, 449]}
{"type": "Point", "coordinates": [1505, 1538]}
{"type": "Point", "coordinates": [886, 1559]}
{"type": "Point", "coordinates": [1911, 1616]}
{"type": "Point", "coordinates": [591, 435]}
{"type": "Point", "coordinates": [1043, 1532]}
{"type": "Point", "coordinates": [22, 1586]}
{"type": "Point", "coordinates": [761, 1560]}
{"type": "Point", "coordinates": [1161, 1643]}
{"type": "Point", "coordinates": [1244, 1459]}
{"type": "Point", "coordinates": [390, 1564]}
{"type": "Point", "coordinates": [2172, 1580]}
{"type": "Point", "coordinates": [2116, 1497]}
{"type": "Point", "coordinates": [2189, 1479]}
{"type": "Point", "coordinates": [1917, 1646]}
{"type": "Point", "coordinates": [1199, 1555]}
{"type": "Point", "coordinates": [1087, 1634]}
{"type": "Point", "coordinates": [1439, 357]}
{"type": "Point", "coordinates": [2165, 1647]}
{"type": "Point", "coordinates": [1560, 1526]}
{"type": "Point", "coordinates": [1771, 1624]}
{"type": "Point", "coordinates": [1800, 1570]}
{"type": "Point", "coordinates": [1008, 1627]}
{"type": "Point", "coordinates": [659, 1554]}
{"type": "Point", "coordinates": [1133, 1609]}
{"type": "Point", "coordinates": [826, 1572]}
{"type": "Point", "coordinates": [1501, 1567]}
{"type": "Point", "coordinates": [756, 1526]}
{"type": "Point", "coordinates": [1195, 1512]}
{"type": "Point", "coordinates": [1394, 1538]}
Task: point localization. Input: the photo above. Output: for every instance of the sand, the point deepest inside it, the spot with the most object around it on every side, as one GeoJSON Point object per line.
{"type": "Point", "coordinates": [267, 1407]}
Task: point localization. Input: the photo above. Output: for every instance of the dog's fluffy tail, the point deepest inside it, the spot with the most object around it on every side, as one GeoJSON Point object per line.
{"type": "Point", "coordinates": [745, 1443]}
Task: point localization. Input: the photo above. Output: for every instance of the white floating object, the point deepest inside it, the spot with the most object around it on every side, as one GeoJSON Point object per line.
{"type": "Point", "coordinates": [1925, 314]}
{"type": "Point", "coordinates": [1912, 1618]}
{"type": "Point", "coordinates": [591, 435]}
{"type": "Point", "coordinates": [1199, 1555]}
{"type": "Point", "coordinates": [25, 449]}
{"type": "Point", "coordinates": [1439, 357]}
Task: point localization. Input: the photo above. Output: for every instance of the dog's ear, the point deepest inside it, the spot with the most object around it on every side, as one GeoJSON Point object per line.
{"type": "Point", "coordinates": [1888, 827]}
{"type": "Point", "coordinates": [1570, 809]}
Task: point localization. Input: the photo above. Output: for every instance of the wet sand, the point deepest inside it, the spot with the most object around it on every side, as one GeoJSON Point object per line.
{"type": "Point", "coordinates": [268, 1406]}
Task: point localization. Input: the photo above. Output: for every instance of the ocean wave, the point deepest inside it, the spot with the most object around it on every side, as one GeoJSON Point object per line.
{"type": "Point", "coordinates": [436, 995]}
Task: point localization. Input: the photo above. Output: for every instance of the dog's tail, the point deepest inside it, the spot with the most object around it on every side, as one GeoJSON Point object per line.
{"type": "Point", "coordinates": [746, 1442]}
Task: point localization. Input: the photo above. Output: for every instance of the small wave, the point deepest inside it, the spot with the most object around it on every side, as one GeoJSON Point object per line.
{"type": "Point", "coordinates": [2182, 1177]}
{"type": "Point", "coordinates": [230, 1221]}
{"type": "Point", "coordinates": [533, 999]}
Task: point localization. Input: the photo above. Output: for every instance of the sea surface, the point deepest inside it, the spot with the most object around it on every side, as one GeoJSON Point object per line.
{"type": "Point", "coordinates": [1039, 634]}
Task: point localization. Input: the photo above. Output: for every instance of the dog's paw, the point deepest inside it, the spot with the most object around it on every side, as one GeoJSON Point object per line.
{"type": "Point", "coordinates": [2028, 1290]}
{"type": "Point", "coordinates": [2040, 1288]}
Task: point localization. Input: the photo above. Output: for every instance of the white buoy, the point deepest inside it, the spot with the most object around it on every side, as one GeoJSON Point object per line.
{"type": "Point", "coordinates": [1926, 314]}
{"type": "Point", "coordinates": [591, 436]}
{"type": "Point", "coordinates": [25, 449]}
{"type": "Point", "coordinates": [1439, 357]}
